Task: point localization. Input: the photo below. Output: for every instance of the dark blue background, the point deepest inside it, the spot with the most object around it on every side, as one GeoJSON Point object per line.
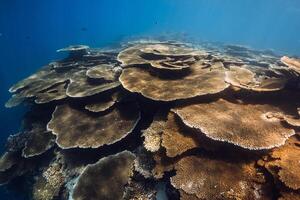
{"type": "Point", "coordinates": [31, 31]}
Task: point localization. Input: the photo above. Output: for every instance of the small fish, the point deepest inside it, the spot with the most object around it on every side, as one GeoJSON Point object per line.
{"type": "Point", "coordinates": [0, 34]}
{"type": "Point", "coordinates": [83, 29]}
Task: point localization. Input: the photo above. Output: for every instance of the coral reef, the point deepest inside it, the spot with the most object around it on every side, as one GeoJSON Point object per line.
{"type": "Point", "coordinates": [106, 178]}
{"type": "Point", "coordinates": [242, 77]}
{"type": "Point", "coordinates": [79, 129]}
{"type": "Point", "coordinates": [208, 121]}
{"type": "Point", "coordinates": [237, 123]}
{"type": "Point", "coordinates": [215, 179]}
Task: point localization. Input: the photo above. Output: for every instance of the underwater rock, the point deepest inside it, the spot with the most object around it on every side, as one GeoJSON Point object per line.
{"type": "Point", "coordinates": [106, 178]}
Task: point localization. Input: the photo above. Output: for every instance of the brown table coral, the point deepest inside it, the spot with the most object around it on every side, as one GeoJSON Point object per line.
{"type": "Point", "coordinates": [237, 123]}
{"type": "Point", "coordinates": [77, 128]}
{"type": "Point", "coordinates": [123, 123]}
{"type": "Point", "coordinates": [216, 179]}
{"type": "Point", "coordinates": [244, 78]}
{"type": "Point", "coordinates": [105, 179]}
{"type": "Point", "coordinates": [200, 81]}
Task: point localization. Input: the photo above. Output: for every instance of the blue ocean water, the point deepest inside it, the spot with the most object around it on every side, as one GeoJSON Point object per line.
{"type": "Point", "coordinates": [32, 30]}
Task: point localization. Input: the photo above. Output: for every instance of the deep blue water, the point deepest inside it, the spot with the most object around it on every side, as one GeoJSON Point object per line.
{"type": "Point", "coordinates": [31, 31]}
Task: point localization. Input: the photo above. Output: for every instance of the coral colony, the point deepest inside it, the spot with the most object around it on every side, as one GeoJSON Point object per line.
{"type": "Point", "coordinates": [210, 122]}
